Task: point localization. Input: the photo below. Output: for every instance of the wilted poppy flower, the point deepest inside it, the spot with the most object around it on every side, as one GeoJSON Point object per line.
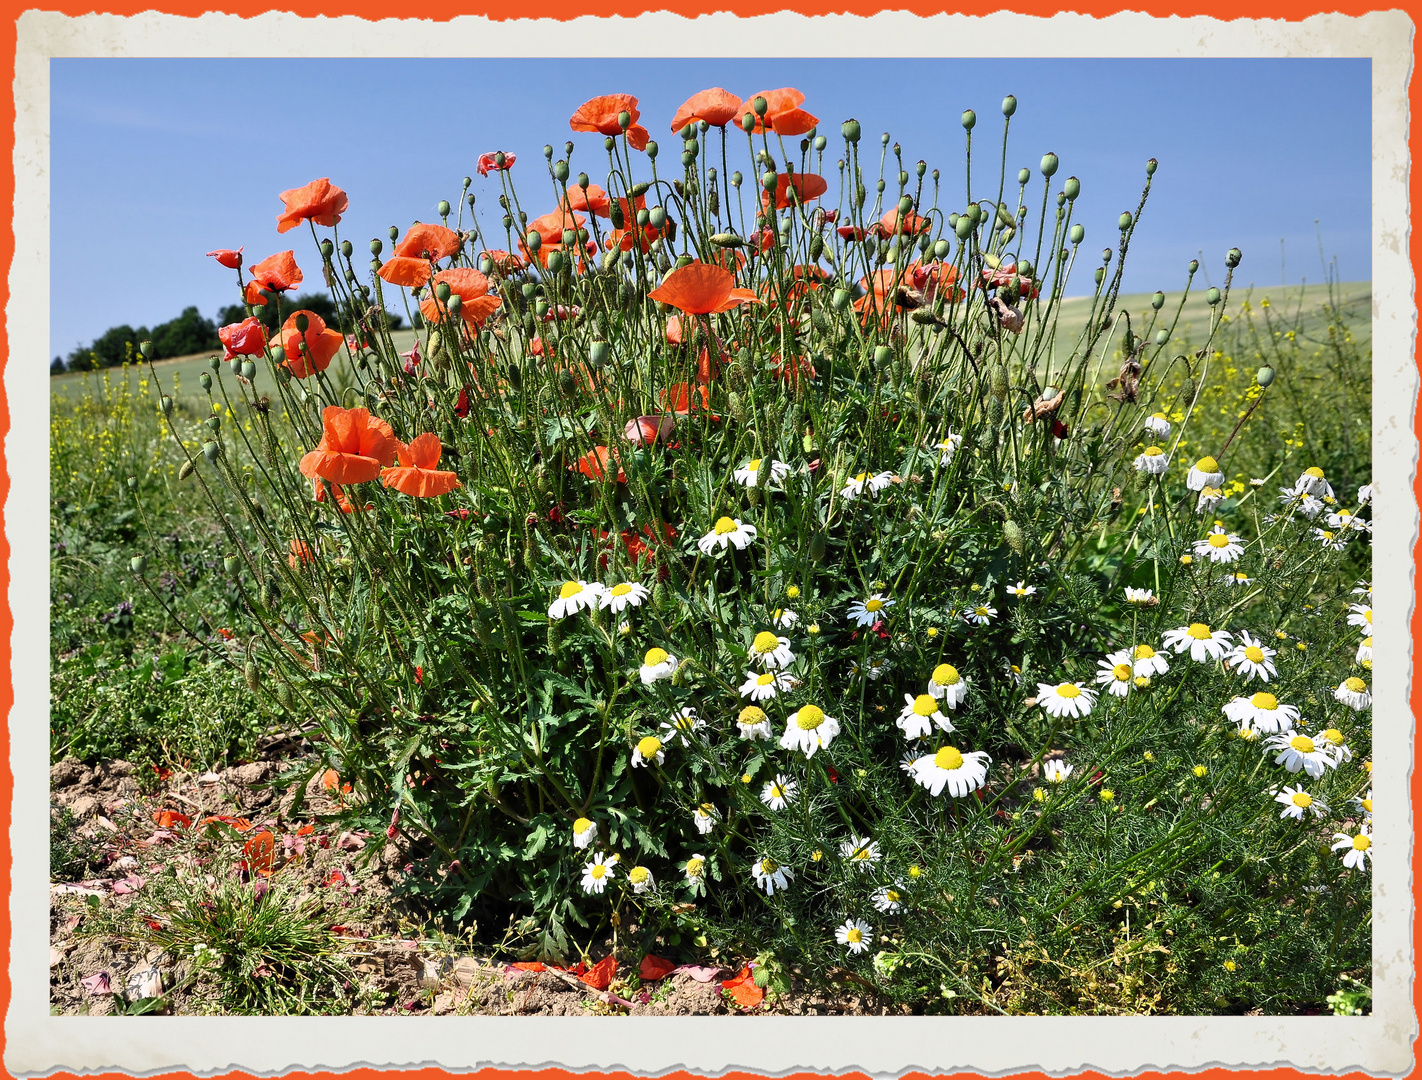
{"type": "Point", "coordinates": [319, 201]}
{"type": "Point", "coordinates": [716, 107]}
{"type": "Point", "coordinates": [490, 162]}
{"type": "Point", "coordinates": [1008, 275]}
{"type": "Point", "coordinates": [353, 447]}
{"type": "Point", "coordinates": [783, 114]}
{"type": "Point", "coordinates": [172, 819]}
{"type": "Point", "coordinates": [299, 554]}
{"type": "Point", "coordinates": [701, 289]}
{"type": "Point", "coordinates": [593, 199]}
{"type": "Point", "coordinates": [472, 288]}
{"type": "Point", "coordinates": [601, 113]}
{"type": "Point", "coordinates": [417, 474]}
{"type": "Point", "coordinates": [593, 464]}
{"type": "Point", "coordinates": [276, 273]}
{"type": "Point", "coordinates": [246, 338]}
{"type": "Point", "coordinates": [321, 344]}
{"type": "Point", "coordinates": [230, 259]}
{"type": "Point", "coordinates": [648, 430]}
{"type": "Point", "coordinates": [412, 358]}
{"type": "Point", "coordinates": [807, 186]}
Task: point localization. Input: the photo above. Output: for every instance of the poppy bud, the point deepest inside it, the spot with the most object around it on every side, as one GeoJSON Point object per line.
{"type": "Point", "coordinates": [817, 546]}
{"type": "Point", "coordinates": [883, 355]}
{"type": "Point", "coordinates": [327, 250]}
{"type": "Point", "coordinates": [515, 376]}
{"type": "Point", "coordinates": [230, 564]}
{"type": "Point", "coordinates": [1264, 375]}
{"type": "Point", "coordinates": [1105, 255]}
{"type": "Point", "coordinates": [1023, 175]}
{"type": "Point", "coordinates": [1194, 266]}
{"type": "Point", "coordinates": [283, 693]}
{"type": "Point", "coordinates": [250, 676]}
{"type": "Point", "coordinates": [1162, 336]}
{"type": "Point", "coordinates": [1100, 275]}
{"type": "Point", "coordinates": [210, 450]}
{"type": "Point", "coordinates": [820, 143]}
{"type": "Point", "coordinates": [1150, 167]}
{"type": "Point", "coordinates": [138, 564]}
{"type": "Point", "coordinates": [1232, 257]}
{"type": "Point", "coordinates": [1212, 297]}
{"type": "Point", "coordinates": [271, 592]}
{"type": "Point", "coordinates": [205, 381]}
{"type": "Point", "coordinates": [1015, 537]}
{"type": "Point", "coordinates": [880, 187]}
{"type": "Point", "coordinates": [1072, 188]}
{"type": "Point", "coordinates": [969, 119]}
{"type": "Point", "coordinates": [214, 424]}
{"type": "Point", "coordinates": [1077, 234]}
{"type": "Point", "coordinates": [963, 228]}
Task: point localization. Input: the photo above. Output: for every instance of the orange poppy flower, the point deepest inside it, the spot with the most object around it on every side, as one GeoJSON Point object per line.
{"type": "Point", "coordinates": [636, 236]}
{"type": "Point", "coordinates": [330, 779]}
{"type": "Point", "coordinates": [246, 338]}
{"type": "Point", "coordinates": [648, 430]}
{"type": "Point", "coordinates": [793, 370]}
{"type": "Point", "coordinates": [406, 272]}
{"type": "Point", "coordinates": [431, 242]}
{"type": "Point", "coordinates": [252, 295]}
{"type": "Point", "coordinates": [416, 474]}
{"type": "Point", "coordinates": [852, 232]}
{"type": "Point", "coordinates": [472, 287]}
{"type": "Point", "coordinates": [504, 262]}
{"type": "Point", "coordinates": [783, 114]}
{"type": "Point", "coordinates": [716, 107]}
{"type": "Point", "coordinates": [807, 186]}
{"type": "Point", "coordinates": [593, 199]}
{"type": "Point", "coordinates": [319, 201]}
{"type": "Point", "coordinates": [277, 273]}
{"type": "Point", "coordinates": [353, 447]}
{"type": "Point", "coordinates": [678, 398]}
{"type": "Point", "coordinates": [600, 115]}
{"type": "Point", "coordinates": [230, 259]}
{"type": "Point", "coordinates": [321, 344]}
{"type": "Point", "coordinates": [299, 554]}
{"type": "Point", "coordinates": [701, 289]}
{"type": "Point", "coordinates": [893, 222]}
{"type": "Point", "coordinates": [594, 464]}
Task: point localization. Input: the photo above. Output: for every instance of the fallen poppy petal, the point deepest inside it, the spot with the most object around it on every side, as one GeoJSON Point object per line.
{"type": "Point", "coordinates": [654, 968]}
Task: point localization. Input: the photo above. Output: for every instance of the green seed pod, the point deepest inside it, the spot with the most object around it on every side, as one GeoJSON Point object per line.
{"type": "Point", "coordinates": [210, 450]}
{"type": "Point", "coordinates": [1157, 301]}
{"type": "Point", "coordinates": [1264, 375]}
{"type": "Point", "coordinates": [249, 370]}
{"type": "Point", "coordinates": [1151, 167]}
{"type": "Point", "coordinates": [1124, 221]}
{"type": "Point", "coordinates": [540, 308]}
{"type": "Point", "coordinates": [1232, 257]}
{"type": "Point", "coordinates": [205, 381]}
{"type": "Point", "coordinates": [567, 383]}
{"type": "Point", "coordinates": [883, 355]}
{"type": "Point", "coordinates": [1077, 234]}
{"type": "Point", "coordinates": [555, 262]}
{"type": "Point", "coordinates": [145, 349]}
{"type": "Point", "coordinates": [999, 382]}
{"type": "Point", "coordinates": [820, 143]}
{"type": "Point", "coordinates": [598, 353]}
{"type": "Point", "coordinates": [533, 241]}
{"type": "Point", "coordinates": [327, 250]}
{"type": "Point", "coordinates": [1009, 105]}
{"type": "Point", "coordinates": [963, 227]}
{"type": "Point", "coordinates": [250, 677]}
{"type": "Point", "coordinates": [443, 208]}
{"type": "Point", "coordinates": [185, 470]}
{"type": "Point", "coordinates": [651, 151]}
{"type": "Point", "coordinates": [969, 119]}
{"type": "Point", "coordinates": [995, 412]}
{"type": "Point", "coordinates": [1049, 165]}
{"type": "Point", "coordinates": [1072, 188]}
{"type": "Point", "coordinates": [1100, 274]}
{"type": "Point", "coordinates": [817, 547]}
{"type": "Point", "coordinates": [1212, 297]}
{"type": "Point", "coordinates": [1013, 534]}
{"type": "Point", "coordinates": [283, 696]}
{"type": "Point", "coordinates": [1162, 336]}
{"type": "Point", "coordinates": [1023, 177]}
{"type": "Point", "coordinates": [167, 405]}
{"type": "Point", "coordinates": [515, 377]}
{"type": "Point", "coordinates": [278, 354]}
{"type": "Point", "coordinates": [230, 565]}
{"type": "Point", "coordinates": [132, 483]}
{"type": "Point", "coordinates": [214, 424]}
{"type": "Point", "coordinates": [560, 170]}
{"type": "Point", "coordinates": [850, 130]}
{"type": "Point", "coordinates": [841, 299]}
{"type": "Point", "coordinates": [138, 564]}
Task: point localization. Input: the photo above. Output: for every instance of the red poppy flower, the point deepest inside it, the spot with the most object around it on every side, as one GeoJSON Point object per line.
{"type": "Point", "coordinates": [793, 370]}
{"type": "Point", "coordinates": [353, 447]}
{"type": "Point", "coordinates": [246, 338]}
{"type": "Point", "coordinates": [490, 163]}
{"type": "Point", "coordinates": [852, 232]}
{"type": "Point", "coordinates": [252, 295]}
{"type": "Point", "coordinates": [701, 289]}
{"type": "Point", "coordinates": [321, 344]}
{"type": "Point", "coordinates": [504, 262]}
{"type": "Point", "coordinates": [330, 780]}
{"type": "Point", "coordinates": [472, 287]}
{"type": "Point", "coordinates": [230, 259]}
{"type": "Point", "coordinates": [893, 222]}
{"type": "Point", "coordinates": [417, 474]}
{"type": "Point", "coordinates": [319, 201]}
{"type": "Point", "coordinates": [299, 554]}
{"type": "Point", "coordinates": [276, 273]}
{"type": "Point", "coordinates": [807, 187]}
{"type": "Point", "coordinates": [406, 272]}
{"type": "Point", "coordinates": [593, 464]}
{"type": "Point", "coordinates": [716, 107]}
{"type": "Point", "coordinates": [648, 430]}
{"type": "Point", "coordinates": [640, 237]}
{"type": "Point", "coordinates": [679, 398]}
{"type": "Point", "coordinates": [428, 242]}
{"type": "Point", "coordinates": [601, 113]}
{"type": "Point", "coordinates": [593, 199]}
{"type": "Point", "coordinates": [674, 330]}
{"type": "Point", "coordinates": [1006, 275]}
{"type": "Point", "coordinates": [783, 114]}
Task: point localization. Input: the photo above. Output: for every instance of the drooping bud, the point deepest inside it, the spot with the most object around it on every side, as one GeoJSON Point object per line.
{"type": "Point", "coordinates": [185, 470]}
{"type": "Point", "coordinates": [1015, 537]}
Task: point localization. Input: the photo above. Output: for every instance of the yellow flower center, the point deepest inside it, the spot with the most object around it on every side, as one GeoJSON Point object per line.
{"type": "Point", "coordinates": [764, 680]}
{"type": "Point", "coordinates": [581, 826]}
{"type": "Point", "coordinates": [723, 526]}
{"type": "Point", "coordinates": [1314, 472]}
{"type": "Point", "coordinates": [1199, 631]}
{"type": "Point", "coordinates": [649, 747]}
{"type": "Point", "coordinates": [1219, 540]}
{"type": "Point", "coordinates": [860, 854]}
{"type": "Point", "coordinates": [1186, 560]}
{"type": "Point", "coordinates": [765, 642]}
{"type": "Point", "coordinates": [1122, 672]}
{"type": "Point", "coordinates": [1355, 684]}
{"type": "Point", "coordinates": [706, 809]}
{"type": "Point", "coordinates": [768, 866]}
{"type": "Point", "coordinates": [873, 605]}
{"type": "Point", "coordinates": [945, 675]}
{"type": "Point", "coordinates": [684, 723]}
{"type": "Point", "coordinates": [816, 855]}
{"type": "Point", "coordinates": [1368, 615]}
{"type": "Point", "coordinates": [693, 867]}
{"type": "Point", "coordinates": [809, 717]}
{"type": "Point", "coordinates": [1361, 843]}
{"type": "Point", "coordinates": [1368, 805]}
{"type": "Point", "coordinates": [1157, 416]}
{"type": "Point", "coordinates": [793, 591]}
{"type": "Point", "coordinates": [1327, 534]}
{"type": "Point", "coordinates": [1253, 653]}
{"type": "Point", "coordinates": [925, 705]}
{"type": "Point", "coordinates": [1264, 701]}
{"type": "Point", "coordinates": [570, 588]}
{"type": "Point", "coordinates": [948, 759]}
{"type": "Point", "coordinates": [1344, 515]}
{"type": "Point", "coordinates": [637, 875]}
{"type": "Point", "coordinates": [1367, 643]}
{"type": "Point", "coordinates": [915, 870]}
{"type": "Point", "coordinates": [655, 657]}
{"type": "Point", "coordinates": [891, 895]}
{"type": "Point", "coordinates": [621, 589]}
{"type": "Point", "coordinates": [776, 791]}
{"type": "Point", "coordinates": [597, 870]}
{"type": "Point", "coordinates": [1153, 451]}
{"type": "Point", "coordinates": [1302, 743]}
{"type": "Point", "coordinates": [1302, 799]}
{"type": "Point", "coordinates": [980, 611]}
{"type": "Point", "coordinates": [860, 477]}
{"type": "Point", "coordinates": [854, 936]}
{"type": "Point", "coordinates": [753, 464]}
{"type": "Point", "coordinates": [1207, 465]}
{"type": "Point", "coordinates": [750, 716]}
{"type": "Point", "coordinates": [1068, 690]}
{"type": "Point", "coordinates": [1334, 736]}
{"type": "Point", "coordinates": [1144, 652]}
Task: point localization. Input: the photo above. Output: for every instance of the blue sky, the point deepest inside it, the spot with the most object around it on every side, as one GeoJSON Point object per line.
{"type": "Point", "coordinates": [155, 162]}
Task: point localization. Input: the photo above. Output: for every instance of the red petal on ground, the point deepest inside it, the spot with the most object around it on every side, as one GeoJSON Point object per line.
{"type": "Point", "coordinates": [654, 968]}
{"type": "Point", "coordinates": [743, 989]}
{"type": "Point", "coordinates": [600, 976]}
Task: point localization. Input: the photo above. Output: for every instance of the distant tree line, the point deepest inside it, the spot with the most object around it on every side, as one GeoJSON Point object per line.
{"type": "Point", "coordinates": [191, 333]}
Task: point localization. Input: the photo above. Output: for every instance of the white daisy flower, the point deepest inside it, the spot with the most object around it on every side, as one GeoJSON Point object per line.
{"type": "Point", "coordinates": [1295, 801]}
{"type": "Point", "coordinates": [1152, 461]}
{"type": "Point", "coordinates": [948, 448]}
{"type": "Point", "coordinates": [1344, 520]}
{"type": "Point", "coordinates": [1116, 673]}
{"type": "Point", "coordinates": [1263, 712]}
{"type": "Point", "coordinates": [657, 664]}
{"type": "Point", "coordinates": [1357, 850]}
{"type": "Point", "coordinates": [1139, 597]}
{"type": "Point", "coordinates": [1297, 751]}
{"type": "Point", "coordinates": [1066, 699]}
{"type": "Point", "coordinates": [1014, 674]}
{"type": "Point", "coordinates": [641, 879]}
{"type": "Point", "coordinates": [1353, 692]}
{"type": "Point", "coordinates": [867, 612]}
{"type": "Point", "coordinates": [1148, 662]}
{"type": "Point", "coordinates": [889, 898]}
{"type": "Point", "coordinates": [855, 485]}
{"type": "Point", "coordinates": [573, 597]}
{"type": "Point", "coordinates": [777, 793]}
{"type": "Point", "coordinates": [771, 651]}
{"type": "Point", "coordinates": [1203, 643]}
{"type": "Point", "coordinates": [584, 832]}
{"type": "Point", "coordinates": [1158, 425]}
{"type": "Point", "coordinates": [861, 851]}
{"type": "Point", "coordinates": [725, 532]}
{"type": "Point", "coordinates": [753, 724]}
{"type": "Point", "coordinates": [947, 685]}
{"type": "Point", "coordinates": [1204, 473]}
{"type": "Point", "coordinates": [1361, 615]}
{"type": "Point", "coordinates": [909, 757]}
{"type": "Point", "coordinates": [855, 934]}
{"type": "Point", "coordinates": [783, 618]}
{"type": "Point", "coordinates": [960, 773]}
{"type": "Point", "coordinates": [706, 815]}
{"type": "Point", "coordinates": [1330, 540]}
{"type": "Point", "coordinates": [598, 873]}
{"type": "Point", "coordinates": [765, 686]}
{"type": "Point", "coordinates": [1219, 546]}
{"type": "Point", "coordinates": [1055, 770]}
{"type": "Point", "coordinates": [770, 875]}
{"type": "Point", "coordinates": [1237, 578]}
{"type": "Point", "coordinates": [681, 725]}
{"type": "Point", "coordinates": [1364, 656]}
{"type": "Point", "coordinates": [1311, 482]}
{"type": "Point", "coordinates": [1365, 804]}
{"type": "Point", "coordinates": [695, 870]}
{"type": "Point", "coordinates": [1209, 499]}
{"type": "Point", "coordinates": [1363, 588]}
{"type": "Point", "coordinates": [1251, 659]}
{"type": "Point", "coordinates": [648, 749]}
{"type": "Point", "coordinates": [1365, 495]}
{"type": "Point", "coordinates": [1022, 590]}
{"type": "Point", "coordinates": [808, 729]}
{"type": "Point", "coordinates": [749, 473]}
{"type": "Point", "coordinates": [623, 595]}
{"type": "Point", "coordinates": [980, 614]}
{"type": "Point", "coordinates": [873, 672]}
{"type": "Point", "coordinates": [1334, 738]}
{"type": "Point", "coordinates": [919, 715]}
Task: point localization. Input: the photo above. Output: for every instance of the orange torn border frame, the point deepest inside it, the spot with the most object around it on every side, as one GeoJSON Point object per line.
{"type": "Point", "coordinates": [373, 10]}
